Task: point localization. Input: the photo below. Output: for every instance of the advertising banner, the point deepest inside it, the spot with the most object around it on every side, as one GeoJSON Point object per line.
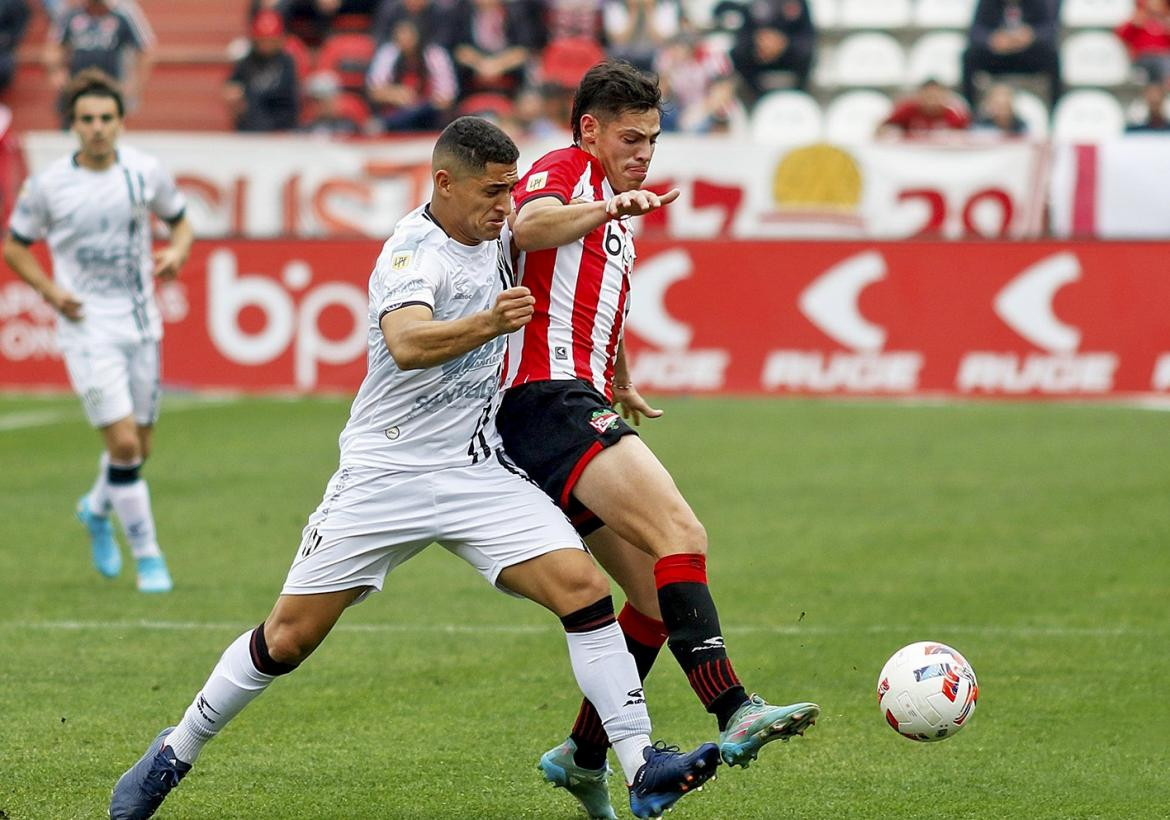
{"type": "Point", "coordinates": [987, 319]}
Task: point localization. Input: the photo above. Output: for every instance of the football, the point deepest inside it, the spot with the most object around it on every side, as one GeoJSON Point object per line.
{"type": "Point", "coordinates": [927, 691]}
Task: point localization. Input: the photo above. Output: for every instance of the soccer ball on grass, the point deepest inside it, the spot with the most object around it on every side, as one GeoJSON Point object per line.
{"type": "Point", "coordinates": [927, 691]}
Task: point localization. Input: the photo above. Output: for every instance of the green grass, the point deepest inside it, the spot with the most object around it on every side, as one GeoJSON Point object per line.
{"type": "Point", "coordinates": [1034, 538]}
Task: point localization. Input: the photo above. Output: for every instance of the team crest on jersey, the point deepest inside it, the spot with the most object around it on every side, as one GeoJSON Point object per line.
{"type": "Point", "coordinates": [603, 420]}
{"type": "Point", "coordinates": [400, 260]}
{"type": "Point", "coordinates": [537, 181]}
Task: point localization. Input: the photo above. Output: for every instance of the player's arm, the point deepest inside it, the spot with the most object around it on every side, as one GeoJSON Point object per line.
{"type": "Point", "coordinates": [546, 222]}
{"type": "Point", "coordinates": [169, 261]}
{"type": "Point", "coordinates": [20, 259]}
{"type": "Point", "coordinates": [625, 394]}
{"type": "Point", "coordinates": [416, 340]}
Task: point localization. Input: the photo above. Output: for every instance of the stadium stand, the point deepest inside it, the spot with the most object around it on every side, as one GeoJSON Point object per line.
{"type": "Point", "coordinates": [936, 56]}
{"type": "Point", "coordinates": [1087, 115]}
{"type": "Point", "coordinates": [1095, 13]}
{"type": "Point", "coordinates": [866, 14]}
{"type": "Point", "coordinates": [934, 14]}
{"type": "Point", "coordinates": [869, 59]}
{"type": "Point", "coordinates": [786, 118]}
{"type": "Point", "coordinates": [1094, 58]}
{"type": "Point", "coordinates": [1033, 111]}
{"type": "Point", "coordinates": [854, 116]}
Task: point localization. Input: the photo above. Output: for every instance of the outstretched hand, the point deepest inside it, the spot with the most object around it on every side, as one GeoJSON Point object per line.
{"type": "Point", "coordinates": [632, 405]}
{"type": "Point", "coordinates": [638, 202]}
{"type": "Point", "coordinates": [513, 309]}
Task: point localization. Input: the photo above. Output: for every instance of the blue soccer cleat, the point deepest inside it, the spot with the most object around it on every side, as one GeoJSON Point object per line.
{"type": "Point", "coordinates": [590, 786]}
{"type": "Point", "coordinates": [668, 775]}
{"type": "Point", "coordinates": [140, 791]}
{"type": "Point", "coordinates": [107, 558]}
{"type": "Point", "coordinates": [153, 575]}
{"type": "Point", "coordinates": [758, 722]}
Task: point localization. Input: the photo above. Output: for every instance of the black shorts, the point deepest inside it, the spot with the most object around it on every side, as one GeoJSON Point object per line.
{"type": "Point", "coordinates": [553, 429]}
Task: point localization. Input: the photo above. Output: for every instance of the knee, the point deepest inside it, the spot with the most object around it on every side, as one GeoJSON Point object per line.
{"type": "Point", "coordinates": [125, 448]}
{"type": "Point", "coordinates": [287, 643]}
{"type": "Point", "coordinates": [690, 536]}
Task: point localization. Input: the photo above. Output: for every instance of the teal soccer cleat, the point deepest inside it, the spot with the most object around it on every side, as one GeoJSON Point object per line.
{"type": "Point", "coordinates": [668, 775]}
{"type": "Point", "coordinates": [758, 722]}
{"type": "Point", "coordinates": [153, 575]}
{"type": "Point", "coordinates": [107, 558]}
{"type": "Point", "coordinates": [141, 790]}
{"type": "Point", "coordinates": [589, 786]}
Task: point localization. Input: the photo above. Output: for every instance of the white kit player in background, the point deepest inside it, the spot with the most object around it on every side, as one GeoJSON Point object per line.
{"type": "Point", "coordinates": [95, 208]}
{"type": "Point", "coordinates": [421, 462]}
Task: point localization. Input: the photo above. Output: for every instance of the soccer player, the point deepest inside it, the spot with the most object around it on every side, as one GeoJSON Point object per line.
{"type": "Point", "coordinates": [566, 367]}
{"type": "Point", "coordinates": [95, 208]}
{"type": "Point", "coordinates": [421, 462]}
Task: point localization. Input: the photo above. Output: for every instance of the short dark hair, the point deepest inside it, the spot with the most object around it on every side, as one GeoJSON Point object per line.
{"type": "Point", "coordinates": [611, 88]}
{"type": "Point", "coordinates": [93, 82]}
{"type": "Point", "coordinates": [473, 142]}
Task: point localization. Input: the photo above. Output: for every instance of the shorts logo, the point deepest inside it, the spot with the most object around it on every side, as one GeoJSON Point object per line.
{"type": "Point", "coordinates": [561, 353]}
{"type": "Point", "coordinates": [400, 260]}
{"type": "Point", "coordinates": [393, 433]}
{"type": "Point", "coordinates": [537, 181]}
{"type": "Point", "coordinates": [603, 420]}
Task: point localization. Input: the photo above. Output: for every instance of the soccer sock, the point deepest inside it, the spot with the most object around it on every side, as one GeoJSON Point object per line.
{"type": "Point", "coordinates": [644, 637]}
{"type": "Point", "coordinates": [695, 638]}
{"type": "Point", "coordinates": [99, 493]}
{"type": "Point", "coordinates": [131, 500]}
{"type": "Point", "coordinates": [608, 677]}
{"type": "Point", "coordinates": [244, 671]}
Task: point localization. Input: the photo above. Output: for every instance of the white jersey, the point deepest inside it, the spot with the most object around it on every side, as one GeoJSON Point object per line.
{"type": "Point", "coordinates": [444, 416]}
{"type": "Point", "coordinates": [98, 225]}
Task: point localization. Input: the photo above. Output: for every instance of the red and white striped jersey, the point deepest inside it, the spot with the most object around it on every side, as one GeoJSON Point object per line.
{"type": "Point", "coordinates": [580, 289]}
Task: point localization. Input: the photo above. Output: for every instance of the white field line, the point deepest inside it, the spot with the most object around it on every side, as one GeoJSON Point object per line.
{"type": "Point", "coordinates": [44, 418]}
{"type": "Point", "coordinates": [940, 632]}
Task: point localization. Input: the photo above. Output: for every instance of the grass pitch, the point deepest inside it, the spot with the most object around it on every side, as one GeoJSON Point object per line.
{"type": "Point", "coordinates": [1033, 538]}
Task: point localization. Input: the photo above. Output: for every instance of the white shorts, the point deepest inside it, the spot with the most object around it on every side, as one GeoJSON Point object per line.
{"type": "Point", "coordinates": [370, 521]}
{"type": "Point", "coordinates": [115, 381]}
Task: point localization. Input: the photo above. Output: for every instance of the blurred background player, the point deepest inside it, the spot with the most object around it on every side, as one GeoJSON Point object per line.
{"type": "Point", "coordinates": [440, 300]}
{"type": "Point", "coordinates": [94, 208]}
{"type": "Point", "coordinates": [557, 422]}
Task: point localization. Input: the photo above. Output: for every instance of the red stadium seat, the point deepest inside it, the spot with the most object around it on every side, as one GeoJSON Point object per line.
{"type": "Point", "coordinates": [565, 61]}
{"type": "Point", "coordinates": [349, 56]}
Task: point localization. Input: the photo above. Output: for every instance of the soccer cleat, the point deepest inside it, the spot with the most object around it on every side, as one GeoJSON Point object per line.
{"type": "Point", "coordinates": [758, 722]}
{"type": "Point", "coordinates": [668, 775]}
{"type": "Point", "coordinates": [140, 791]}
{"type": "Point", "coordinates": [107, 558]}
{"type": "Point", "coordinates": [589, 786]}
{"type": "Point", "coordinates": [153, 575]}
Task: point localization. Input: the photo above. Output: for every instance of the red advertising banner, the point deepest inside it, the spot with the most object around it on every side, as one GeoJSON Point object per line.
{"type": "Point", "coordinates": [988, 319]}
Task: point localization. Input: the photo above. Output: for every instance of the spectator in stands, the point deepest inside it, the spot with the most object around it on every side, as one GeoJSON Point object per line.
{"type": "Point", "coordinates": [777, 38]}
{"type": "Point", "coordinates": [428, 18]}
{"type": "Point", "coordinates": [575, 18]}
{"type": "Point", "coordinates": [493, 41]}
{"type": "Point", "coordinates": [14, 16]}
{"type": "Point", "coordinates": [997, 113]}
{"type": "Point", "coordinates": [262, 92]}
{"type": "Point", "coordinates": [1147, 36]}
{"type": "Point", "coordinates": [635, 30]}
{"type": "Point", "coordinates": [1155, 97]}
{"type": "Point", "coordinates": [698, 86]}
{"type": "Point", "coordinates": [329, 119]}
{"type": "Point", "coordinates": [932, 108]}
{"type": "Point", "coordinates": [104, 34]}
{"type": "Point", "coordinates": [1013, 37]}
{"type": "Point", "coordinates": [534, 112]}
{"type": "Point", "coordinates": [312, 20]}
{"type": "Point", "coordinates": [413, 85]}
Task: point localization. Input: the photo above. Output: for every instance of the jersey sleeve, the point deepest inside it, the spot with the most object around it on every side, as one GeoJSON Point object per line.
{"type": "Point", "coordinates": [409, 275]}
{"type": "Point", "coordinates": [555, 174]}
{"type": "Point", "coordinates": [30, 218]}
{"type": "Point", "coordinates": [169, 203]}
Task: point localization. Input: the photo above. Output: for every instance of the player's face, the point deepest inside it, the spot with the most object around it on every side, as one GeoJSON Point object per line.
{"type": "Point", "coordinates": [625, 145]}
{"type": "Point", "coordinates": [97, 124]}
{"type": "Point", "coordinates": [483, 201]}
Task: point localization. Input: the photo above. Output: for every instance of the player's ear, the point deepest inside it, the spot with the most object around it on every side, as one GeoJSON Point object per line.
{"type": "Point", "coordinates": [443, 182]}
{"type": "Point", "coordinates": [589, 128]}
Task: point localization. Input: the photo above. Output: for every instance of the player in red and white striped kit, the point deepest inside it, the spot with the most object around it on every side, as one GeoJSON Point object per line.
{"type": "Point", "coordinates": [574, 238]}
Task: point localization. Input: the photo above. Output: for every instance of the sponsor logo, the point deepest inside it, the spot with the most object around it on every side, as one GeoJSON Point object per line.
{"type": "Point", "coordinates": [561, 353]}
{"type": "Point", "coordinates": [603, 420]}
{"type": "Point", "coordinates": [709, 644]}
{"type": "Point", "coordinates": [882, 689]}
{"type": "Point", "coordinates": [935, 670]}
{"type": "Point", "coordinates": [537, 181]}
{"type": "Point", "coordinates": [635, 697]}
{"type": "Point", "coordinates": [204, 707]}
{"type": "Point", "coordinates": [393, 433]}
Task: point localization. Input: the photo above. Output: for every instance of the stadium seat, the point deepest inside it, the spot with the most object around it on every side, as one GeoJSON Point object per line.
{"type": "Point", "coordinates": [932, 14]}
{"type": "Point", "coordinates": [348, 55]}
{"type": "Point", "coordinates": [1095, 13]}
{"type": "Point", "coordinates": [700, 13]}
{"type": "Point", "coordinates": [786, 118]}
{"type": "Point", "coordinates": [1138, 110]}
{"type": "Point", "coordinates": [565, 60]}
{"type": "Point", "coordinates": [1094, 58]}
{"type": "Point", "coordinates": [937, 56]}
{"type": "Point", "coordinates": [854, 116]}
{"type": "Point", "coordinates": [826, 14]}
{"type": "Point", "coordinates": [868, 59]}
{"type": "Point", "coordinates": [875, 14]}
{"type": "Point", "coordinates": [1087, 115]}
{"type": "Point", "coordinates": [1032, 110]}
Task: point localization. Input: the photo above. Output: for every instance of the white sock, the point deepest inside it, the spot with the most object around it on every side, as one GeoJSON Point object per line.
{"type": "Point", "coordinates": [99, 493]}
{"type": "Point", "coordinates": [234, 683]}
{"type": "Point", "coordinates": [132, 504]}
{"type": "Point", "coordinates": [608, 677]}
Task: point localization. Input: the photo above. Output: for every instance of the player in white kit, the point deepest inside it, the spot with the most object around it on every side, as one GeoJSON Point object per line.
{"type": "Point", "coordinates": [95, 207]}
{"type": "Point", "coordinates": [421, 463]}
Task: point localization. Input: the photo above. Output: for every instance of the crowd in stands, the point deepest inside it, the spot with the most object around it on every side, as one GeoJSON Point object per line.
{"type": "Point", "coordinates": [351, 67]}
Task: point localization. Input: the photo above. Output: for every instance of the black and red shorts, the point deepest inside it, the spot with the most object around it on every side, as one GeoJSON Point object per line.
{"type": "Point", "coordinates": [552, 429]}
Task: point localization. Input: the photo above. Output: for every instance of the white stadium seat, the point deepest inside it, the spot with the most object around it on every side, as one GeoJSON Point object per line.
{"type": "Point", "coordinates": [883, 14]}
{"type": "Point", "coordinates": [786, 118]}
{"type": "Point", "coordinates": [937, 56]}
{"type": "Point", "coordinates": [699, 12]}
{"type": "Point", "coordinates": [944, 13]}
{"type": "Point", "coordinates": [1095, 13]}
{"type": "Point", "coordinates": [1032, 110]}
{"type": "Point", "coordinates": [1087, 115]}
{"type": "Point", "coordinates": [853, 117]}
{"type": "Point", "coordinates": [825, 13]}
{"type": "Point", "coordinates": [869, 59]}
{"type": "Point", "coordinates": [1094, 58]}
